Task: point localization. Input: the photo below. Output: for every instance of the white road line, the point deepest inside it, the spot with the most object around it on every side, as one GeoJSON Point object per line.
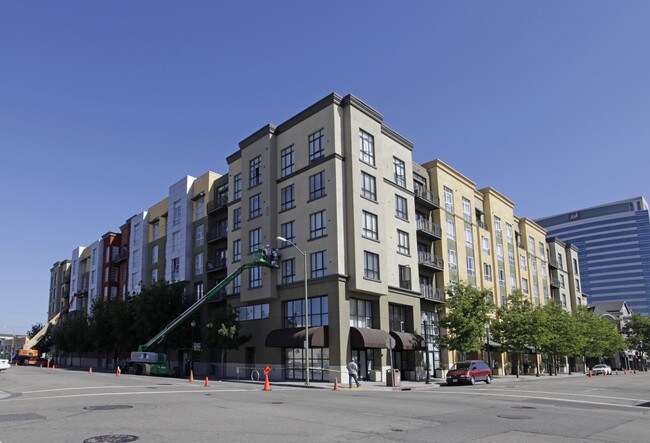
{"type": "Point", "coordinates": [91, 387]}
{"type": "Point", "coordinates": [575, 394]}
{"type": "Point", "coordinates": [564, 400]}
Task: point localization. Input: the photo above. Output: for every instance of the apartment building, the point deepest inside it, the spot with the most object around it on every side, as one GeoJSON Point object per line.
{"type": "Point", "coordinates": [376, 237]}
{"type": "Point", "coordinates": [614, 249]}
{"type": "Point", "coordinates": [59, 287]}
{"type": "Point", "coordinates": [564, 265]}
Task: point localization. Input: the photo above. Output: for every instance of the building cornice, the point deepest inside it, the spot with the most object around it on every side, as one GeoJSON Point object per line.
{"type": "Point", "coordinates": [499, 196]}
{"type": "Point", "coordinates": [351, 100]}
{"type": "Point", "coordinates": [444, 167]}
{"type": "Point", "coordinates": [262, 132]}
{"type": "Point", "coordinates": [396, 137]}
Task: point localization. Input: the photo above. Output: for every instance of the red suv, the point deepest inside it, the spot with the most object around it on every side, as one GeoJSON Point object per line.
{"type": "Point", "coordinates": [470, 372]}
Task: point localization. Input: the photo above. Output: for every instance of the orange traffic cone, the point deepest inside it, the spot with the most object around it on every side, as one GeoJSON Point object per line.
{"type": "Point", "coordinates": [207, 382]}
{"type": "Point", "coordinates": [118, 372]}
{"type": "Point", "coordinates": [336, 384]}
{"type": "Point", "coordinates": [267, 386]}
{"type": "Point", "coordinates": [191, 376]}
{"type": "Point", "coordinates": [90, 370]}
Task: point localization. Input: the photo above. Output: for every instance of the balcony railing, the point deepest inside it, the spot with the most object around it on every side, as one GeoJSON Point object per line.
{"type": "Point", "coordinates": [431, 261]}
{"type": "Point", "coordinates": [426, 197]}
{"type": "Point", "coordinates": [221, 202]}
{"type": "Point", "coordinates": [121, 256]}
{"type": "Point", "coordinates": [216, 234]}
{"type": "Point", "coordinates": [430, 229]}
{"type": "Point", "coordinates": [431, 293]}
{"type": "Point", "coordinates": [555, 282]}
{"type": "Point", "coordinates": [481, 224]}
{"type": "Point", "coordinates": [216, 265]}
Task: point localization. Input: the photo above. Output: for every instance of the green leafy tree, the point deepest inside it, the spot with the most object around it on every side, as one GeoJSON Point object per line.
{"type": "Point", "coordinates": [637, 333]}
{"type": "Point", "coordinates": [467, 312]}
{"type": "Point", "coordinates": [596, 336]}
{"type": "Point", "coordinates": [223, 332]}
{"type": "Point", "coordinates": [515, 326]}
{"type": "Point", "coordinates": [73, 335]}
{"type": "Point", "coordinates": [556, 333]}
{"type": "Point", "coordinates": [112, 326]}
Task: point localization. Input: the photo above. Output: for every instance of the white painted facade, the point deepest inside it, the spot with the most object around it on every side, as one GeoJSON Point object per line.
{"type": "Point", "coordinates": [178, 251]}
{"type": "Point", "coordinates": [138, 247]}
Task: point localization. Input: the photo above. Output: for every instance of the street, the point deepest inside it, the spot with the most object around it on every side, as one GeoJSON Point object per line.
{"type": "Point", "coordinates": [39, 404]}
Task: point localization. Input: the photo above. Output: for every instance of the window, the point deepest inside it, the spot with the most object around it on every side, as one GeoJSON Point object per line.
{"type": "Point", "coordinates": [317, 224]}
{"type": "Point", "coordinates": [236, 250]}
{"type": "Point", "coordinates": [176, 268]}
{"type": "Point", "coordinates": [559, 261]}
{"type": "Point", "coordinates": [368, 186]}
{"type": "Point", "coordinates": [177, 213]}
{"type": "Point", "coordinates": [255, 277]}
{"type": "Point", "coordinates": [288, 270]}
{"type": "Point", "coordinates": [199, 235]}
{"type": "Point", "coordinates": [404, 277]}
{"type": "Point", "coordinates": [294, 312]}
{"type": "Point", "coordinates": [236, 285]}
{"type": "Point", "coordinates": [317, 186]}
{"type": "Point", "coordinates": [370, 225]}
{"type": "Point", "coordinates": [403, 246]}
{"type": "Point", "coordinates": [577, 284]}
{"type": "Point", "coordinates": [451, 229]}
{"type": "Point", "coordinates": [497, 226]}
{"type": "Point", "coordinates": [154, 254]}
{"type": "Point", "coordinates": [562, 280]}
{"type": "Point", "coordinates": [236, 187]}
{"type": "Point", "coordinates": [533, 265]}
{"type": "Point", "coordinates": [255, 206]}
{"type": "Point", "coordinates": [502, 277]}
{"type": "Point", "coordinates": [154, 276]}
{"type": "Point", "coordinates": [453, 264]}
{"type": "Point", "coordinates": [156, 231]}
{"type": "Point", "coordinates": [469, 241]}
{"type": "Point", "coordinates": [575, 266]}
{"type": "Point", "coordinates": [401, 209]}
{"type": "Point", "coordinates": [485, 244]}
{"type": "Point", "coordinates": [287, 198]}
{"type": "Point", "coordinates": [199, 207]}
{"type": "Point", "coordinates": [467, 210]}
{"type": "Point", "coordinates": [316, 148]}
{"type": "Point", "coordinates": [400, 172]}
{"type": "Point", "coordinates": [543, 271]}
{"type": "Point", "coordinates": [287, 231]}
{"type": "Point", "coordinates": [318, 264]}
{"type": "Point", "coordinates": [370, 265]}
{"type": "Point", "coordinates": [470, 266]}
{"type": "Point", "coordinates": [286, 161]}
{"type": "Point", "coordinates": [253, 312]}
{"type": "Point", "coordinates": [397, 318]}
{"type": "Point", "coordinates": [255, 171]}
{"type": "Point", "coordinates": [541, 250]}
{"type": "Point", "coordinates": [513, 280]}
{"type": "Point", "coordinates": [236, 219]}
{"type": "Point", "coordinates": [360, 313]}
{"type": "Point", "coordinates": [176, 240]}
{"type": "Point", "coordinates": [531, 245]}
{"type": "Point", "coordinates": [524, 285]}
{"type": "Point", "coordinates": [522, 262]}
{"type": "Point", "coordinates": [449, 199]}
{"type": "Point", "coordinates": [499, 251]}
{"type": "Point", "coordinates": [198, 264]}
{"type": "Point", "coordinates": [511, 256]}
{"type": "Point", "coordinates": [509, 232]}
{"type": "Point", "coordinates": [564, 300]}
{"type": "Point", "coordinates": [487, 272]}
{"type": "Point", "coordinates": [254, 240]}
{"type": "Point", "coordinates": [367, 147]}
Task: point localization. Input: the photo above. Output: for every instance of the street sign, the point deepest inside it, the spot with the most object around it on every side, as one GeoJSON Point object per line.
{"type": "Point", "coordinates": [390, 343]}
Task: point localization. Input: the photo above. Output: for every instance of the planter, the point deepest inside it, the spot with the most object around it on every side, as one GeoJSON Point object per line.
{"type": "Point", "coordinates": [441, 373]}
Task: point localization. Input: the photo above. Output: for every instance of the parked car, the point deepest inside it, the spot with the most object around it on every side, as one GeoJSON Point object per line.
{"type": "Point", "coordinates": [4, 364]}
{"type": "Point", "coordinates": [470, 372]}
{"type": "Point", "coordinates": [601, 369]}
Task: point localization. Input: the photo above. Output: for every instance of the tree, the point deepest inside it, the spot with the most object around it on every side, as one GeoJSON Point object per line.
{"type": "Point", "coordinates": [223, 332]}
{"type": "Point", "coordinates": [556, 333]}
{"type": "Point", "coordinates": [112, 326]}
{"type": "Point", "coordinates": [515, 325]}
{"type": "Point", "coordinates": [637, 333]}
{"type": "Point", "coordinates": [596, 336]}
{"type": "Point", "coordinates": [73, 335]}
{"type": "Point", "coordinates": [467, 312]}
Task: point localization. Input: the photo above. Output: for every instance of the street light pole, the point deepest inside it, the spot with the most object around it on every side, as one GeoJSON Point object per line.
{"type": "Point", "coordinates": [192, 325]}
{"type": "Point", "coordinates": [425, 320]}
{"type": "Point", "coordinates": [304, 255]}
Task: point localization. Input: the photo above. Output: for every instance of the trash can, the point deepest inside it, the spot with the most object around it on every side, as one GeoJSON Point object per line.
{"type": "Point", "coordinates": [393, 379]}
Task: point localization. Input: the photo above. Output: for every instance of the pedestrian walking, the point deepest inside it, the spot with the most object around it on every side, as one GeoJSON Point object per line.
{"type": "Point", "coordinates": [353, 370]}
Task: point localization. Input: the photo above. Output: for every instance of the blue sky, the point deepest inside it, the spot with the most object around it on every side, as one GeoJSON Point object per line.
{"type": "Point", "coordinates": [104, 105]}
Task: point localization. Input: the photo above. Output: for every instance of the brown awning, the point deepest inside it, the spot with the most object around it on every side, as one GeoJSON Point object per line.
{"type": "Point", "coordinates": [367, 338]}
{"type": "Point", "coordinates": [407, 341]}
{"type": "Point", "coordinates": [295, 337]}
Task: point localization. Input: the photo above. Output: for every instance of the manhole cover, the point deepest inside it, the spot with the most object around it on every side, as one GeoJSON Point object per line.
{"type": "Point", "coordinates": [108, 408]}
{"type": "Point", "coordinates": [113, 438]}
{"type": "Point", "coordinates": [515, 417]}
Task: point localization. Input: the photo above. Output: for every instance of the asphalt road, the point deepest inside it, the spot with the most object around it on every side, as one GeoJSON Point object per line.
{"type": "Point", "coordinates": [44, 405]}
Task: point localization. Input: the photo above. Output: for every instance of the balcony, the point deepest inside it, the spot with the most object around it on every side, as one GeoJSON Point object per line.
{"type": "Point", "coordinates": [216, 265]}
{"type": "Point", "coordinates": [431, 293]}
{"type": "Point", "coordinates": [218, 204]}
{"type": "Point", "coordinates": [555, 283]}
{"type": "Point", "coordinates": [481, 224]}
{"type": "Point", "coordinates": [552, 261]}
{"type": "Point", "coordinates": [122, 255]}
{"type": "Point", "coordinates": [429, 229]}
{"type": "Point", "coordinates": [81, 294]}
{"type": "Point", "coordinates": [214, 235]}
{"type": "Point", "coordinates": [426, 198]}
{"type": "Point", "coordinates": [431, 261]}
